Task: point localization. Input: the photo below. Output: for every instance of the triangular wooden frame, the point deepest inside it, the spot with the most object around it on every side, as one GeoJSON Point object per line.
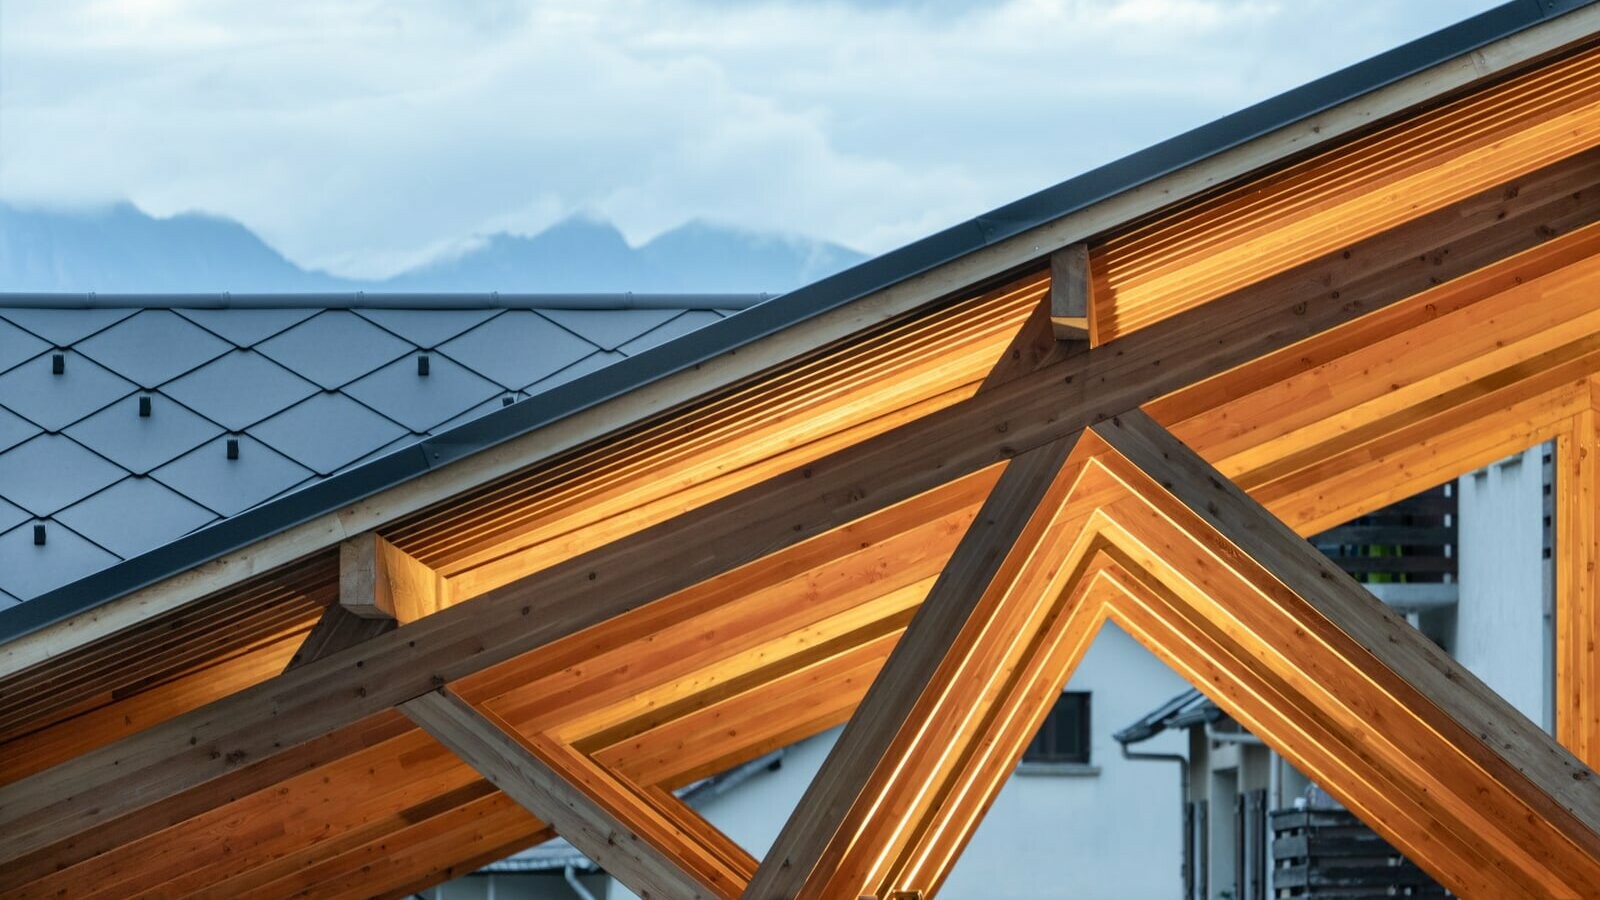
{"type": "Point", "coordinates": [1135, 528]}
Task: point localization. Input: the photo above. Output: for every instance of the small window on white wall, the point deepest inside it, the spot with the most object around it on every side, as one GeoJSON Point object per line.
{"type": "Point", "coordinates": [1064, 738]}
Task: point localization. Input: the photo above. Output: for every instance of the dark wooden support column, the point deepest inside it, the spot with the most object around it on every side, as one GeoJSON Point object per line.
{"type": "Point", "coordinates": [928, 711]}
{"type": "Point", "coordinates": [604, 817]}
{"type": "Point", "coordinates": [1071, 293]}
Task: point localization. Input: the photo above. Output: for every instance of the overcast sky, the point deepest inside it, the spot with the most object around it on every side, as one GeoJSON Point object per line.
{"type": "Point", "coordinates": [367, 135]}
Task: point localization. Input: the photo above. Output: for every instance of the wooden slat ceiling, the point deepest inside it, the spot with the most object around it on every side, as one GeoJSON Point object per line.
{"type": "Point", "coordinates": [1347, 194]}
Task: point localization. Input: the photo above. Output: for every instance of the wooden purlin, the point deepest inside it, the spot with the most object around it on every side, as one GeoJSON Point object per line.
{"type": "Point", "coordinates": [1346, 194]}
{"type": "Point", "coordinates": [1153, 537]}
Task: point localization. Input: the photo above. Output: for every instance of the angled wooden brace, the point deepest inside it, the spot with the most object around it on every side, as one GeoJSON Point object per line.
{"type": "Point", "coordinates": [1344, 688]}
{"type": "Point", "coordinates": [650, 841]}
{"type": "Point", "coordinates": [967, 684]}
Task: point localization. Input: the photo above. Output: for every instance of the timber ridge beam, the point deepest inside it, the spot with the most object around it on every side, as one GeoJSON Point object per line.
{"type": "Point", "coordinates": [225, 740]}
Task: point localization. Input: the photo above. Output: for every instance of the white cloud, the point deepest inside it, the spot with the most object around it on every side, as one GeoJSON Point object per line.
{"type": "Point", "coordinates": [365, 136]}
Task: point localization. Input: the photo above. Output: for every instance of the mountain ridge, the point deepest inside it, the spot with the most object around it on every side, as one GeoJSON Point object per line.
{"type": "Point", "coordinates": [122, 249]}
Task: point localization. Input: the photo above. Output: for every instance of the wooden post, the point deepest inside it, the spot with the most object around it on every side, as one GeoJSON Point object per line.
{"type": "Point", "coordinates": [380, 586]}
{"type": "Point", "coordinates": [603, 816]}
{"type": "Point", "coordinates": [1071, 293]}
{"type": "Point", "coordinates": [378, 580]}
{"type": "Point", "coordinates": [1577, 549]}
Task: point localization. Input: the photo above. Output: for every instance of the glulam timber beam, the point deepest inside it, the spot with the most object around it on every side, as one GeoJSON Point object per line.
{"type": "Point", "coordinates": [605, 818]}
{"type": "Point", "coordinates": [929, 708]}
{"type": "Point", "coordinates": [1577, 577]}
{"type": "Point", "coordinates": [1155, 539]}
{"type": "Point", "coordinates": [227, 739]}
{"type": "Point", "coordinates": [1309, 660]}
{"type": "Point", "coordinates": [1071, 293]}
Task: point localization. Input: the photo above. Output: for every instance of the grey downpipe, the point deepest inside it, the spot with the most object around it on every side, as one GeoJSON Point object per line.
{"type": "Point", "coordinates": [1185, 863]}
{"type": "Point", "coordinates": [576, 885]}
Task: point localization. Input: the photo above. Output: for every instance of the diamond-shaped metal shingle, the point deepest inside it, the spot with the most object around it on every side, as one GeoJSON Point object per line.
{"type": "Point", "coordinates": [488, 406]}
{"type": "Point", "coordinates": [11, 514]}
{"type": "Point", "coordinates": [14, 429]}
{"type": "Point", "coordinates": [590, 363]}
{"type": "Point", "coordinates": [17, 345]}
{"type": "Point", "coordinates": [427, 328]}
{"type": "Point", "coordinates": [239, 389]}
{"type": "Point", "coordinates": [385, 450]}
{"type": "Point", "coordinates": [207, 476]}
{"type": "Point", "coordinates": [334, 348]}
{"type": "Point", "coordinates": [693, 320]}
{"type": "Point", "coordinates": [134, 515]}
{"type": "Point", "coordinates": [420, 402]}
{"type": "Point", "coordinates": [517, 348]}
{"type": "Point", "coordinates": [326, 431]}
{"type": "Point", "coordinates": [49, 472]}
{"type": "Point", "coordinates": [65, 327]}
{"type": "Point", "coordinates": [246, 327]}
{"type": "Point", "coordinates": [608, 328]}
{"type": "Point", "coordinates": [140, 443]}
{"type": "Point", "coordinates": [52, 401]}
{"type": "Point", "coordinates": [153, 346]}
{"type": "Point", "coordinates": [28, 569]}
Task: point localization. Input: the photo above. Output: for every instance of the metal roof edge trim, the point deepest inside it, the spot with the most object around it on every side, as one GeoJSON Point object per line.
{"type": "Point", "coordinates": [382, 300]}
{"type": "Point", "coordinates": [780, 312]}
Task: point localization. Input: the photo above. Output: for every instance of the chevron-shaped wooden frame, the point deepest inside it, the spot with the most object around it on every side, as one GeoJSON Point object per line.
{"type": "Point", "coordinates": [1133, 527]}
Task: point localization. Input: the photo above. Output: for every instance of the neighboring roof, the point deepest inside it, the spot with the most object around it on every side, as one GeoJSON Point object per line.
{"type": "Point", "coordinates": [126, 448]}
{"type": "Point", "coordinates": [1188, 708]}
{"type": "Point", "coordinates": [967, 240]}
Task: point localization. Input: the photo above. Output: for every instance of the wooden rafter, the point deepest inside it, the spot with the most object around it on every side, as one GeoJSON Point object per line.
{"type": "Point", "coordinates": [1152, 537]}
{"type": "Point", "coordinates": [926, 711]}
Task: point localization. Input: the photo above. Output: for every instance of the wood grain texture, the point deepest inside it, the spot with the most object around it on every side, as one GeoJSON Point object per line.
{"type": "Point", "coordinates": [604, 817]}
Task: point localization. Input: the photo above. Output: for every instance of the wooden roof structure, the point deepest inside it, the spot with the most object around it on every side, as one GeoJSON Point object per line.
{"type": "Point", "coordinates": [909, 512]}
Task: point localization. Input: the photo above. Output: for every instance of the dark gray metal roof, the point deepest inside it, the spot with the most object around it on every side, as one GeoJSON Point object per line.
{"type": "Point", "coordinates": [126, 447]}
{"type": "Point", "coordinates": [224, 393]}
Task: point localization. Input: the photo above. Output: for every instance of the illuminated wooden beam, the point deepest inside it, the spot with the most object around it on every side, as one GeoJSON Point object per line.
{"type": "Point", "coordinates": [187, 753]}
{"type": "Point", "coordinates": [1071, 293]}
{"type": "Point", "coordinates": [1451, 757]}
{"type": "Point", "coordinates": [603, 817]}
{"type": "Point", "coordinates": [1268, 225]}
{"type": "Point", "coordinates": [1577, 578]}
{"type": "Point", "coordinates": [924, 707]}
